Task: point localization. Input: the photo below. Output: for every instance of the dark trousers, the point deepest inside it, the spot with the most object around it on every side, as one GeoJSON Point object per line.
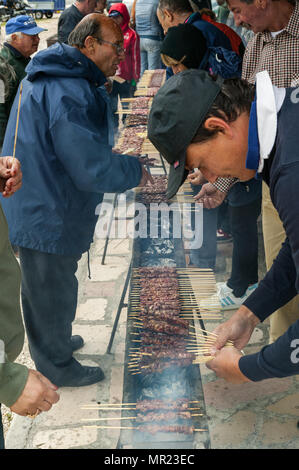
{"type": "Point", "coordinates": [205, 256]}
{"type": "Point", "coordinates": [1, 432]}
{"type": "Point", "coordinates": [49, 301]}
{"type": "Point", "coordinates": [122, 90]}
{"type": "Point", "coordinates": [243, 223]}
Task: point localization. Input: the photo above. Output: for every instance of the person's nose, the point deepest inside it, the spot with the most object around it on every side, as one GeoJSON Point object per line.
{"type": "Point", "coordinates": [238, 19]}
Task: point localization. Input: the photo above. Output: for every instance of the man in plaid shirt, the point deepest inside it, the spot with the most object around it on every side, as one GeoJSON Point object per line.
{"type": "Point", "coordinates": [275, 48]}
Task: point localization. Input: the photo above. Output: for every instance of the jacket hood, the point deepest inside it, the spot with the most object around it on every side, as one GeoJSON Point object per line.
{"type": "Point", "coordinates": [122, 9]}
{"type": "Point", "coordinates": [61, 60]}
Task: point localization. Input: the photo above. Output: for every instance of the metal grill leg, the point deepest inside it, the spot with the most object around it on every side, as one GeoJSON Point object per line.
{"type": "Point", "coordinates": [109, 229]}
{"type": "Point", "coordinates": [120, 307]}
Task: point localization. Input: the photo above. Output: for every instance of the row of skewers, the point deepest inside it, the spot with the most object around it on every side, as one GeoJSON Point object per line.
{"type": "Point", "coordinates": [166, 337]}
{"type": "Point", "coordinates": [151, 416]}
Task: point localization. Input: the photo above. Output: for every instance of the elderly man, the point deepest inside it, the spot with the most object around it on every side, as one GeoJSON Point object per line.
{"type": "Point", "coordinates": [25, 391]}
{"type": "Point", "coordinates": [199, 122]}
{"type": "Point", "coordinates": [70, 17]}
{"type": "Point", "coordinates": [68, 162]}
{"type": "Point", "coordinates": [21, 42]}
{"type": "Point", "coordinates": [275, 48]}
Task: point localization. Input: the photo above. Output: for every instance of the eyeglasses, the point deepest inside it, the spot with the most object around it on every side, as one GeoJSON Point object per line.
{"type": "Point", "coordinates": [119, 49]}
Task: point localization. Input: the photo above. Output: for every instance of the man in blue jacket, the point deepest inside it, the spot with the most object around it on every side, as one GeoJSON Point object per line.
{"type": "Point", "coordinates": [63, 145]}
{"type": "Point", "coordinates": [218, 127]}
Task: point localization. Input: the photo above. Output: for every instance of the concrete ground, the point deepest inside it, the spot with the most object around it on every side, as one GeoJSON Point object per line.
{"type": "Point", "coordinates": [251, 416]}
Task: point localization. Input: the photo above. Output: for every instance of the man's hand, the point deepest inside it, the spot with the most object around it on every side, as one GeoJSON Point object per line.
{"type": "Point", "coordinates": [237, 329]}
{"type": "Point", "coordinates": [226, 365]}
{"type": "Point", "coordinates": [196, 177]}
{"type": "Point", "coordinates": [146, 178]}
{"type": "Point", "coordinates": [210, 196]}
{"type": "Point", "coordinates": [10, 176]}
{"type": "Point", "coordinates": [38, 395]}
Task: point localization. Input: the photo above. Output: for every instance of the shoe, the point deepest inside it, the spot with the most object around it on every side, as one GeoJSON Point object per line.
{"type": "Point", "coordinates": [223, 237]}
{"type": "Point", "coordinates": [77, 342]}
{"type": "Point", "coordinates": [228, 300]}
{"type": "Point", "coordinates": [77, 375]}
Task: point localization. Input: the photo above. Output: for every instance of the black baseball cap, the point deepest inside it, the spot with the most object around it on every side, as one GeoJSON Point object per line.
{"type": "Point", "coordinates": [185, 43]}
{"type": "Point", "coordinates": [177, 111]}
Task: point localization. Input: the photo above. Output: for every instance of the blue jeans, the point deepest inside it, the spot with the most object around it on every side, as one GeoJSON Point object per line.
{"type": "Point", "coordinates": [205, 257]}
{"type": "Point", "coordinates": [1, 432]}
{"type": "Point", "coordinates": [49, 301]}
{"type": "Point", "coordinates": [150, 54]}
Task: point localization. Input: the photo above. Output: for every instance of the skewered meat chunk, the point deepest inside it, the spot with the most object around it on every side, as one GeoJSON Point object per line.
{"type": "Point", "coordinates": [144, 406]}
{"type": "Point", "coordinates": [167, 318]}
{"type": "Point", "coordinates": [161, 340]}
{"type": "Point", "coordinates": [153, 429]}
{"type": "Point", "coordinates": [164, 327]}
{"type": "Point", "coordinates": [168, 416]}
{"type": "Point", "coordinates": [159, 366]}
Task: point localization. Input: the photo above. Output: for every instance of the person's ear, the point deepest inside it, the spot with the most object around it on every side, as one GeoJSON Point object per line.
{"type": "Point", "coordinates": [217, 124]}
{"type": "Point", "coordinates": [89, 44]}
{"type": "Point", "coordinates": [168, 14]}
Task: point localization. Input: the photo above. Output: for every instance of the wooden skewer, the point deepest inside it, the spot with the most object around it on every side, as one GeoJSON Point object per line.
{"type": "Point", "coordinates": [17, 123]}
{"type": "Point", "coordinates": [131, 427]}
{"type": "Point", "coordinates": [203, 359]}
{"type": "Point", "coordinates": [107, 418]}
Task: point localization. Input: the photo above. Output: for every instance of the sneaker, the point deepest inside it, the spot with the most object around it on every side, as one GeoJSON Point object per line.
{"type": "Point", "coordinates": [228, 300]}
{"type": "Point", "coordinates": [223, 237]}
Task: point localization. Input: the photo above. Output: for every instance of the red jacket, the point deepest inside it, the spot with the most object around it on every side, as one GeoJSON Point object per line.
{"type": "Point", "coordinates": [235, 40]}
{"type": "Point", "coordinates": [128, 69]}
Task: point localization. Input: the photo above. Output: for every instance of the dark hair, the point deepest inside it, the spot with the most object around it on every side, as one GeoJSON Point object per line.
{"type": "Point", "coordinates": [235, 97]}
{"type": "Point", "coordinates": [208, 12]}
{"type": "Point", "coordinates": [86, 27]}
{"type": "Point", "coordinates": [176, 6]}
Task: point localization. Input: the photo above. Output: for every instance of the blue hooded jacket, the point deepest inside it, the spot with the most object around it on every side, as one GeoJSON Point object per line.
{"type": "Point", "coordinates": [63, 145]}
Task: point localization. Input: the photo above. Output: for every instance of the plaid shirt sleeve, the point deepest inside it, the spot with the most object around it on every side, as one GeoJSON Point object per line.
{"type": "Point", "coordinates": [225, 184]}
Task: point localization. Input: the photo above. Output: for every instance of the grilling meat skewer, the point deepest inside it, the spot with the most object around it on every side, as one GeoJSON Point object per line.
{"type": "Point", "coordinates": [164, 327]}
{"type": "Point", "coordinates": [145, 406]}
{"type": "Point", "coordinates": [168, 416]}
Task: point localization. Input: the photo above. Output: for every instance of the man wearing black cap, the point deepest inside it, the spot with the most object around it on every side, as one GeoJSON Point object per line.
{"type": "Point", "coordinates": [215, 125]}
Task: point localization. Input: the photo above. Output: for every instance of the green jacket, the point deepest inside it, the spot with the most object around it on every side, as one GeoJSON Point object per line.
{"type": "Point", "coordinates": [13, 377]}
{"type": "Point", "coordinates": [14, 74]}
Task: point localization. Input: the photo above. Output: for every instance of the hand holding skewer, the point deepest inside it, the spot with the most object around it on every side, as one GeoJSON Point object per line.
{"type": "Point", "coordinates": [238, 329]}
{"type": "Point", "coordinates": [196, 177]}
{"type": "Point", "coordinates": [226, 365]}
{"type": "Point", "coordinates": [210, 196]}
{"type": "Point", "coordinates": [10, 176]}
{"type": "Point", "coordinates": [146, 178]}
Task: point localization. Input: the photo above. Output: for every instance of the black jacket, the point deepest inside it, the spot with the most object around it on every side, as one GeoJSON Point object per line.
{"type": "Point", "coordinates": [281, 283]}
{"type": "Point", "coordinates": [68, 19]}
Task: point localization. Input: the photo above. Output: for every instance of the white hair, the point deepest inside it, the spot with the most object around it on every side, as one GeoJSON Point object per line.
{"type": "Point", "coordinates": [8, 37]}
